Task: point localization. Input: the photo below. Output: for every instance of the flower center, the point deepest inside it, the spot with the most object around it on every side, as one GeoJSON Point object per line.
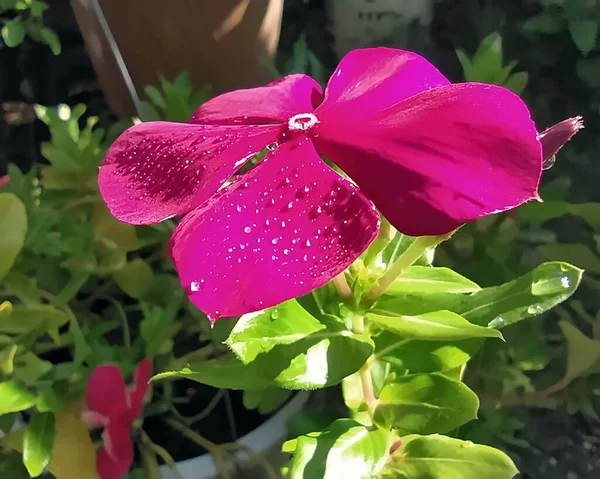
{"type": "Point", "coordinates": [302, 122]}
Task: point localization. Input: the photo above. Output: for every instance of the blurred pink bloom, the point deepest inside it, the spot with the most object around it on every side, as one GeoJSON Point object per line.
{"type": "Point", "coordinates": [114, 407]}
{"type": "Point", "coordinates": [429, 155]}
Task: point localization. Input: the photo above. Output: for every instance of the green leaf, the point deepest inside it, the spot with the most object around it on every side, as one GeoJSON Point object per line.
{"type": "Point", "coordinates": [440, 457]}
{"type": "Point", "coordinates": [536, 213]}
{"type": "Point", "coordinates": [13, 224]}
{"type": "Point", "coordinates": [530, 295]}
{"type": "Point", "coordinates": [346, 449]}
{"type": "Point", "coordinates": [51, 39]}
{"type": "Point", "coordinates": [135, 278]}
{"type": "Point", "coordinates": [582, 352]}
{"type": "Point", "coordinates": [13, 32]}
{"type": "Point", "coordinates": [228, 373]}
{"type": "Point", "coordinates": [589, 71]}
{"type": "Point", "coordinates": [517, 82]}
{"type": "Point", "coordinates": [265, 400]}
{"type": "Point", "coordinates": [544, 23]}
{"type": "Point", "coordinates": [29, 368]}
{"type": "Point", "coordinates": [27, 318]}
{"type": "Point", "coordinates": [423, 356]}
{"type": "Point", "coordinates": [435, 326]}
{"type": "Point", "coordinates": [7, 357]}
{"type": "Point", "coordinates": [14, 397]}
{"type": "Point", "coordinates": [574, 253]}
{"type": "Point", "coordinates": [38, 442]}
{"type": "Point", "coordinates": [295, 349]}
{"type": "Point", "coordinates": [425, 404]}
{"type": "Point", "coordinates": [49, 401]}
{"type": "Point", "coordinates": [584, 34]}
{"type": "Point", "coordinates": [425, 279]}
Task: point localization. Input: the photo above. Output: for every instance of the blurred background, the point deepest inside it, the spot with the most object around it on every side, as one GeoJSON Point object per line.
{"type": "Point", "coordinates": [159, 60]}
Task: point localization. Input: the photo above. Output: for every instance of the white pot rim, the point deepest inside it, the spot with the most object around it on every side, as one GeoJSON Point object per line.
{"type": "Point", "coordinates": [256, 441]}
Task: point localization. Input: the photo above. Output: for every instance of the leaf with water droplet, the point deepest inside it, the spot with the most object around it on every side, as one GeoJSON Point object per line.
{"type": "Point", "coordinates": [295, 349]}
{"type": "Point", "coordinates": [533, 293]}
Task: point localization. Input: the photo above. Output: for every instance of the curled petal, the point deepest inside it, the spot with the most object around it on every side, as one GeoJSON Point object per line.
{"type": "Point", "coordinates": [369, 80]}
{"type": "Point", "coordinates": [141, 378]}
{"type": "Point", "coordinates": [116, 456]}
{"type": "Point", "coordinates": [106, 393]}
{"type": "Point", "coordinates": [283, 229]}
{"type": "Point", "coordinates": [555, 137]}
{"type": "Point", "coordinates": [273, 103]}
{"type": "Point", "coordinates": [158, 170]}
{"type": "Point", "coordinates": [440, 158]}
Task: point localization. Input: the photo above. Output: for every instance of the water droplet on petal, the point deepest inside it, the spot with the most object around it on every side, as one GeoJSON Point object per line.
{"type": "Point", "coordinates": [247, 229]}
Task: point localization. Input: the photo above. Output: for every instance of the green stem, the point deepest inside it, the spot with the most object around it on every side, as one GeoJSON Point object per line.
{"type": "Point", "coordinates": [364, 373]}
{"type": "Point", "coordinates": [161, 452]}
{"type": "Point", "coordinates": [405, 261]}
{"type": "Point", "coordinates": [344, 291]}
{"type": "Point", "coordinates": [123, 317]}
{"type": "Point", "coordinates": [385, 236]}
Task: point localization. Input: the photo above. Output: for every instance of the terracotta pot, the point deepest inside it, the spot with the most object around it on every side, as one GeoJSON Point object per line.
{"type": "Point", "coordinates": [220, 43]}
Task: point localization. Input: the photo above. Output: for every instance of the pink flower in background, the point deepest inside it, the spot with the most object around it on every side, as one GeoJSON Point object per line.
{"type": "Point", "coordinates": [114, 407]}
{"type": "Point", "coordinates": [428, 154]}
{"type": "Point", "coordinates": [4, 180]}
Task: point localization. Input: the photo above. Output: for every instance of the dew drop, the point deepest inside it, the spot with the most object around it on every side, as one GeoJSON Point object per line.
{"type": "Point", "coordinates": [275, 314]}
{"type": "Point", "coordinates": [247, 229]}
{"type": "Point", "coordinates": [194, 286]}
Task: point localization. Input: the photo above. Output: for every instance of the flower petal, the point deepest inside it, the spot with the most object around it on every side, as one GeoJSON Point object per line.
{"type": "Point", "coordinates": [158, 170]}
{"type": "Point", "coordinates": [273, 103]}
{"type": "Point", "coordinates": [141, 378]}
{"type": "Point", "coordinates": [285, 228]}
{"type": "Point", "coordinates": [106, 393]}
{"type": "Point", "coordinates": [440, 158]}
{"type": "Point", "coordinates": [369, 80]}
{"type": "Point", "coordinates": [116, 456]}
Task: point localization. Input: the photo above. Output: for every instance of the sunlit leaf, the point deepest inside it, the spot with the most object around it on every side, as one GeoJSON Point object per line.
{"type": "Point", "coordinates": [345, 449]}
{"type": "Point", "coordinates": [425, 404]}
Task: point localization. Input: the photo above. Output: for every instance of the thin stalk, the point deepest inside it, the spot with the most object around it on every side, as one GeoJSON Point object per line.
{"type": "Point", "coordinates": [364, 373]}
{"type": "Point", "coordinates": [343, 289]}
{"type": "Point", "coordinates": [124, 322]}
{"type": "Point", "coordinates": [385, 236]}
{"type": "Point", "coordinates": [215, 450]}
{"type": "Point", "coordinates": [405, 261]}
{"type": "Point", "coordinates": [160, 452]}
{"type": "Point", "coordinates": [208, 409]}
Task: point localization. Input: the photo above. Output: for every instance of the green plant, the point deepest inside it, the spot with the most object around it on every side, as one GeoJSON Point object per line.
{"type": "Point", "coordinates": [487, 66]}
{"type": "Point", "coordinates": [174, 101]}
{"type": "Point", "coordinates": [27, 21]}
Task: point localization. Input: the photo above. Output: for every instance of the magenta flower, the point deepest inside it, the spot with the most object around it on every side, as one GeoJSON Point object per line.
{"type": "Point", "coordinates": [428, 154]}
{"type": "Point", "coordinates": [114, 407]}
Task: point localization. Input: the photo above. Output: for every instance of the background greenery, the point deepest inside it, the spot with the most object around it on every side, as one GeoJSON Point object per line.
{"type": "Point", "coordinates": [540, 389]}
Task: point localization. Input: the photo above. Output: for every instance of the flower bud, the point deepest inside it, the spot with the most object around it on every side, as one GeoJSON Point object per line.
{"type": "Point", "coordinates": [555, 137]}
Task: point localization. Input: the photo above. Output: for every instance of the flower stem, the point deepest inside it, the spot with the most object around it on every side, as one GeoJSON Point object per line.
{"type": "Point", "coordinates": [364, 373]}
{"type": "Point", "coordinates": [405, 261]}
{"type": "Point", "coordinates": [385, 236]}
{"type": "Point", "coordinates": [343, 289]}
